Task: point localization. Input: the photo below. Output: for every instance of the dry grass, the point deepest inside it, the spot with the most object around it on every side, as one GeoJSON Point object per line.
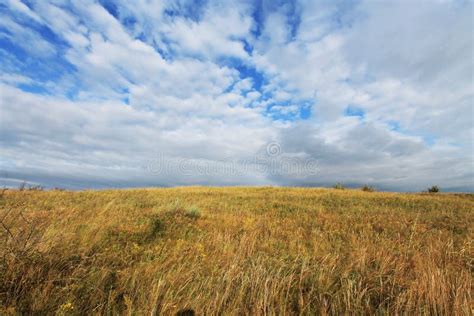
{"type": "Point", "coordinates": [234, 251]}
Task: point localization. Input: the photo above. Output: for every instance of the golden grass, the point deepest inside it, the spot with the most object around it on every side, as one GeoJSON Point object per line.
{"type": "Point", "coordinates": [236, 251]}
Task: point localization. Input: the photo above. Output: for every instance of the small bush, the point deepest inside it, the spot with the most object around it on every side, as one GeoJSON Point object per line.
{"type": "Point", "coordinates": [339, 186]}
{"type": "Point", "coordinates": [192, 212]}
{"type": "Point", "coordinates": [368, 188]}
{"type": "Point", "coordinates": [156, 227]}
{"type": "Point", "coordinates": [433, 189]}
{"type": "Point", "coordinates": [24, 186]}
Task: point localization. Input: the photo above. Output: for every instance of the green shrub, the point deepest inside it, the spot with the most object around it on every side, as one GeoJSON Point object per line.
{"type": "Point", "coordinates": [433, 189]}
{"type": "Point", "coordinates": [156, 227]}
{"type": "Point", "coordinates": [192, 212]}
{"type": "Point", "coordinates": [368, 188]}
{"type": "Point", "coordinates": [24, 186]}
{"type": "Point", "coordinates": [339, 186]}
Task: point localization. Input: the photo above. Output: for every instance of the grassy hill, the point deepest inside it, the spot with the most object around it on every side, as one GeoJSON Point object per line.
{"type": "Point", "coordinates": [235, 251]}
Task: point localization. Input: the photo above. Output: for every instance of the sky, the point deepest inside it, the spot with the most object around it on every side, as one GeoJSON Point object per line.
{"type": "Point", "coordinates": [105, 94]}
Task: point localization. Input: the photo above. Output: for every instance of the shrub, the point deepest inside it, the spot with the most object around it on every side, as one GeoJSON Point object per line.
{"type": "Point", "coordinates": [192, 212]}
{"type": "Point", "coordinates": [339, 186]}
{"type": "Point", "coordinates": [24, 186]}
{"type": "Point", "coordinates": [433, 189]}
{"type": "Point", "coordinates": [368, 188]}
{"type": "Point", "coordinates": [156, 227]}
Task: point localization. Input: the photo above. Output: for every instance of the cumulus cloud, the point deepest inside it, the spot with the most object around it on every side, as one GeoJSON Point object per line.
{"type": "Point", "coordinates": [119, 93]}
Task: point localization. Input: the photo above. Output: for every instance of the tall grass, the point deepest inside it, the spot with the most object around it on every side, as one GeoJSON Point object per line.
{"type": "Point", "coordinates": [235, 251]}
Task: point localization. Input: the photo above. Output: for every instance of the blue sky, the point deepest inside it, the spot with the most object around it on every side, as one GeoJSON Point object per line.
{"type": "Point", "coordinates": [93, 93]}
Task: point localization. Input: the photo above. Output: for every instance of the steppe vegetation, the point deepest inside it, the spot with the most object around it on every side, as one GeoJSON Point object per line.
{"type": "Point", "coordinates": [235, 251]}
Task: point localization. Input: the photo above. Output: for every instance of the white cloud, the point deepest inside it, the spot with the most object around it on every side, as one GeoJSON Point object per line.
{"type": "Point", "coordinates": [20, 7]}
{"type": "Point", "coordinates": [150, 82]}
{"type": "Point", "coordinates": [27, 39]}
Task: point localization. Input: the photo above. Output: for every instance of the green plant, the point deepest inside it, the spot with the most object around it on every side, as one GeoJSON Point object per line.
{"type": "Point", "coordinates": [192, 212]}
{"type": "Point", "coordinates": [177, 207]}
{"type": "Point", "coordinates": [25, 186]}
{"type": "Point", "coordinates": [368, 188]}
{"type": "Point", "coordinates": [339, 186]}
{"type": "Point", "coordinates": [22, 186]}
{"type": "Point", "coordinates": [433, 189]}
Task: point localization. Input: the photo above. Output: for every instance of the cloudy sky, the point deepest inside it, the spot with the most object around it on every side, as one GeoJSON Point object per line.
{"type": "Point", "coordinates": [125, 93]}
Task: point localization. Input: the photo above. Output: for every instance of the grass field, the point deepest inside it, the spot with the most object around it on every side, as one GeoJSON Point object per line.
{"type": "Point", "coordinates": [235, 251]}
